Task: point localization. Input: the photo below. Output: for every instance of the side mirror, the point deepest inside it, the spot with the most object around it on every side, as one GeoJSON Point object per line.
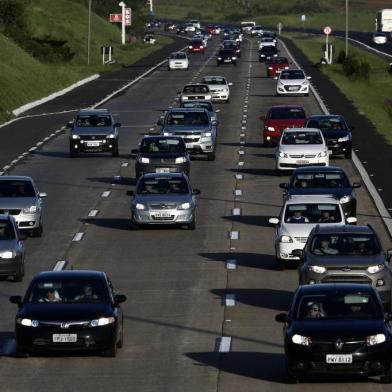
{"type": "Point", "coordinates": [298, 253]}
{"type": "Point", "coordinates": [22, 237]}
{"type": "Point", "coordinates": [389, 254]}
{"type": "Point", "coordinates": [284, 185]}
{"type": "Point", "coordinates": [273, 221]}
{"type": "Point", "coordinates": [196, 192]}
{"type": "Point", "coordinates": [16, 299]}
{"type": "Point", "coordinates": [282, 318]}
{"type": "Point", "coordinates": [214, 122]}
{"type": "Point", "coordinates": [230, 84]}
{"type": "Point", "coordinates": [217, 111]}
{"type": "Point", "coordinates": [356, 185]}
{"type": "Point", "coordinates": [309, 77]}
{"type": "Point", "coordinates": [130, 193]}
{"type": "Point", "coordinates": [119, 298]}
{"type": "Point", "coordinates": [351, 220]}
{"type": "Point", "coordinates": [117, 125]}
{"type": "Point", "coordinates": [43, 194]}
{"type": "Point", "coordinates": [70, 124]}
{"type": "Point", "coordinates": [134, 151]}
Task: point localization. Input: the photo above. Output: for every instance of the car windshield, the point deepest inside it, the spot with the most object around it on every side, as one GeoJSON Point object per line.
{"type": "Point", "coordinates": [345, 244]}
{"type": "Point", "coordinates": [195, 89]}
{"type": "Point", "coordinates": [319, 180]}
{"type": "Point", "coordinates": [327, 124]}
{"type": "Point", "coordinates": [292, 75]}
{"type": "Point", "coordinates": [278, 60]}
{"type": "Point", "coordinates": [266, 39]}
{"type": "Point", "coordinates": [93, 121]}
{"type": "Point", "coordinates": [16, 188]}
{"type": "Point", "coordinates": [198, 104]}
{"type": "Point", "coordinates": [293, 137]}
{"type": "Point", "coordinates": [7, 231]}
{"type": "Point", "coordinates": [312, 213]}
{"type": "Point", "coordinates": [214, 80]}
{"type": "Point", "coordinates": [269, 49]}
{"type": "Point", "coordinates": [178, 56]}
{"type": "Point", "coordinates": [226, 52]}
{"type": "Point", "coordinates": [186, 119]}
{"type": "Point", "coordinates": [157, 146]}
{"type": "Point", "coordinates": [338, 305]}
{"type": "Point", "coordinates": [286, 113]}
{"type": "Point", "coordinates": [76, 290]}
{"type": "Point", "coordinates": [163, 186]}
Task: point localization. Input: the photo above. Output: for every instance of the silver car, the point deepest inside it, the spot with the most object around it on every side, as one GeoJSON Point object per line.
{"type": "Point", "coordinates": [164, 199]}
{"type": "Point", "coordinates": [12, 252]}
{"type": "Point", "coordinates": [20, 198]}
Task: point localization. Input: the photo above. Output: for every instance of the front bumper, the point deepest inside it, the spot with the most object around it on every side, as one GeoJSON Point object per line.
{"type": "Point", "coordinates": [28, 221]}
{"type": "Point", "coordinates": [281, 90]}
{"type": "Point", "coordinates": [200, 147]}
{"type": "Point", "coordinates": [143, 168]}
{"type": "Point", "coordinates": [159, 217]}
{"type": "Point", "coordinates": [292, 163]}
{"type": "Point", "coordinates": [219, 95]}
{"type": "Point", "coordinates": [9, 267]}
{"type": "Point", "coordinates": [99, 145]}
{"type": "Point", "coordinates": [284, 249]}
{"type": "Point", "coordinates": [338, 148]}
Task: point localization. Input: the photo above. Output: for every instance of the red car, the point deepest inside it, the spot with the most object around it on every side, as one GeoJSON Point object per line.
{"type": "Point", "coordinates": [275, 65]}
{"type": "Point", "coordinates": [280, 117]}
{"type": "Point", "coordinates": [210, 29]}
{"type": "Point", "coordinates": [196, 46]}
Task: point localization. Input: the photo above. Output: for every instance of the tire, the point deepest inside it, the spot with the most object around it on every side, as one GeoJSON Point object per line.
{"type": "Point", "coordinates": [115, 151]}
{"type": "Point", "coordinates": [38, 231]}
{"type": "Point", "coordinates": [387, 377]}
{"type": "Point", "coordinates": [111, 351]}
{"type": "Point", "coordinates": [134, 226]}
{"type": "Point", "coordinates": [211, 156]}
{"type": "Point", "coordinates": [280, 264]}
{"type": "Point", "coordinates": [20, 353]}
{"type": "Point", "coordinates": [192, 225]}
{"type": "Point", "coordinates": [348, 154]}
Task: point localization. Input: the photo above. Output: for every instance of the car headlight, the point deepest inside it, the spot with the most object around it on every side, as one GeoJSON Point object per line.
{"type": "Point", "coordinates": [111, 136]}
{"type": "Point", "coordinates": [8, 254]}
{"type": "Point", "coordinates": [30, 210]}
{"type": "Point", "coordinates": [282, 154]}
{"type": "Point", "coordinates": [323, 154]}
{"type": "Point", "coordinates": [184, 206]}
{"type": "Point", "coordinates": [219, 58]}
{"type": "Point", "coordinates": [166, 134]}
{"type": "Point", "coordinates": [208, 96]}
{"type": "Point", "coordinates": [305, 82]}
{"type": "Point", "coordinates": [102, 321]}
{"type": "Point", "coordinates": [27, 322]}
{"type": "Point", "coordinates": [190, 47]}
{"type": "Point", "coordinates": [345, 199]}
{"type": "Point", "coordinates": [343, 139]}
{"type": "Point", "coordinates": [140, 206]}
{"type": "Point", "coordinates": [180, 160]}
{"type": "Point", "coordinates": [373, 269]}
{"type": "Point", "coordinates": [184, 98]}
{"type": "Point", "coordinates": [207, 134]}
{"type": "Point", "coordinates": [375, 339]}
{"type": "Point", "coordinates": [302, 340]}
{"type": "Point", "coordinates": [317, 269]}
{"type": "Point", "coordinates": [271, 129]}
{"type": "Point", "coordinates": [285, 239]}
{"type": "Point", "coordinates": [234, 58]}
{"type": "Point", "coordinates": [144, 160]}
{"type": "Point", "coordinates": [75, 137]}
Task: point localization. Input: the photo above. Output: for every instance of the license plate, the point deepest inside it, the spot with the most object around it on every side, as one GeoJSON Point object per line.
{"type": "Point", "coordinates": [293, 88]}
{"type": "Point", "coordinates": [65, 338]}
{"type": "Point", "coordinates": [339, 358]}
{"type": "Point", "coordinates": [302, 162]}
{"type": "Point", "coordinates": [93, 144]}
{"type": "Point", "coordinates": [162, 214]}
{"type": "Point", "coordinates": [227, 61]}
{"type": "Point", "coordinates": [189, 145]}
{"type": "Point", "coordinates": [162, 170]}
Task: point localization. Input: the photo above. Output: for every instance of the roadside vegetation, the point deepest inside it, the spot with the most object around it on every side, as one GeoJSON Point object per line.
{"type": "Point", "coordinates": [363, 78]}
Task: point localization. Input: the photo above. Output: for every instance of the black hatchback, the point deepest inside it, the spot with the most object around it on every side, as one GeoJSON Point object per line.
{"type": "Point", "coordinates": [328, 180]}
{"type": "Point", "coordinates": [226, 56]}
{"type": "Point", "coordinates": [337, 329]}
{"type": "Point", "coordinates": [336, 133]}
{"type": "Point", "coordinates": [69, 310]}
{"type": "Point", "coordinates": [266, 52]}
{"type": "Point", "coordinates": [161, 154]}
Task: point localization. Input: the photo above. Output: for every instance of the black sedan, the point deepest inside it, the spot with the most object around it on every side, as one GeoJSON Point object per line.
{"type": "Point", "coordinates": [336, 133]}
{"type": "Point", "coordinates": [69, 310]}
{"type": "Point", "coordinates": [161, 154]}
{"type": "Point", "coordinates": [266, 52]}
{"type": "Point", "coordinates": [226, 56]}
{"type": "Point", "coordinates": [329, 180]}
{"type": "Point", "coordinates": [337, 329]}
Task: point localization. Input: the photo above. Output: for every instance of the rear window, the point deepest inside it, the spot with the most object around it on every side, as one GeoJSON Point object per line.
{"type": "Point", "coordinates": [312, 213]}
{"type": "Point", "coordinates": [196, 89]}
{"type": "Point", "coordinates": [277, 60]}
{"type": "Point", "coordinates": [286, 113]}
{"type": "Point", "coordinates": [178, 56]}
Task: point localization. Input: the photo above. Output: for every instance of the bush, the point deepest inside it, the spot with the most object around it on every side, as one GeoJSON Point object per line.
{"type": "Point", "coordinates": [341, 57]}
{"type": "Point", "coordinates": [355, 68]}
{"type": "Point", "coordinates": [388, 106]}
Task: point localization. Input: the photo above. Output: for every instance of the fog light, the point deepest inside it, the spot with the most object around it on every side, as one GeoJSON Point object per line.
{"type": "Point", "coordinates": [31, 223]}
{"type": "Point", "coordinates": [312, 281]}
{"type": "Point", "coordinates": [268, 137]}
{"type": "Point", "coordinates": [76, 146]}
{"type": "Point", "coordinates": [110, 146]}
{"type": "Point", "coordinates": [380, 282]}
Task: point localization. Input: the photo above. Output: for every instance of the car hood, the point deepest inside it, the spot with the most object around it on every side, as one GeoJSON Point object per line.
{"type": "Point", "coordinates": [286, 123]}
{"type": "Point", "coordinates": [8, 245]}
{"type": "Point", "coordinates": [292, 82]}
{"type": "Point", "coordinates": [92, 130]}
{"type": "Point", "coordinates": [301, 148]}
{"type": "Point", "coordinates": [334, 134]}
{"type": "Point", "coordinates": [61, 311]}
{"type": "Point", "coordinates": [156, 199]}
{"type": "Point", "coordinates": [333, 329]}
{"type": "Point", "coordinates": [339, 192]}
{"type": "Point", "coordinates": [215, 87]}
{"type": "Point", "coordinates": [340, 262]}
{"type": "Point", "coordinates": [302, 229]}
{"type": "Point", "coordinates": [188, 128]}
{"type": "Point", "coordinates": [17, 202]}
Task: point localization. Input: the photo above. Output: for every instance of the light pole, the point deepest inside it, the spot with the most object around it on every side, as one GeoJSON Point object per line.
{"type": "Point", "coordinates": [346, 28]}
{"type": "Point", "coordinates": [122, 5]}
{"type": "Point", "coordinates": [89, 32]}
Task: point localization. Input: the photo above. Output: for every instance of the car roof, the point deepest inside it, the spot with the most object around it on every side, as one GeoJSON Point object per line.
{"type": "Point", "coordinates": [304, 130]}
{"type": "Point", "coordinates": [323, 116]}
{"type": "Point", "coordinates": [348, 229]}
{"type": "Point", "coordinates": [332, 287]}
{"type": "Point", "coordinates": [16, 178]}
{"type": "Point", "coordinates": [93, 111]}
{"type": "Point", "coordinates": [69, 273]}
{"type": "Point", "coordinates": [322, 169]}
{"type": "Point", "coordinates": [312, 199]}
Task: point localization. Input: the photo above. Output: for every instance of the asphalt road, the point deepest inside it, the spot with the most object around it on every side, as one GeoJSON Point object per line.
{"type": "Point", "coordinates": [176, 280]}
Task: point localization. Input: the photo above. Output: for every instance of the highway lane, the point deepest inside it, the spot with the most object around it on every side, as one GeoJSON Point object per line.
{"type": "Point", "coordinates": [174, 279]}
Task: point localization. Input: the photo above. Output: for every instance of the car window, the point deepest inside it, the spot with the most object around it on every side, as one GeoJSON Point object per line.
{"type": "Point", "coordinates": [196, 89]}
{"type": "Point", "coordinates": [178, 56]}
{"type": "Point", "coordinates": [327, 124]}
{"type": "Point", "coordinates": [161, 186]}
{"type": "Point", "coordinates": [7, 231]}
{"type": "Point", "coordinates": [338, 305]}
{"type": "Point", "coordinates": [293, 138]}
{"type": "Point", "coordinates": [75, 290]}
{"type": "Point", "coordinates": [319, 180]}
{"type": "Point", "coordinates": [345, 245]}
{"type": "Point", "coordinates": [157, 146]}
{"type": "Point", "coordinates": [187, 118]}
{"type": "Point", "coordinates": [93, 121]}
{"type": "Point", "coordinates": [312, 213]}
{"type": "Point", "coordinates": [269, 49]}
{"type": "Point", "coordinates": [209, 80]}
{"type": "Point", "coordinates": [286, 113]}
{"type": "Point", "coordinates": [16, 188]}
{"type": "Point", "coordinates": [292, 75]}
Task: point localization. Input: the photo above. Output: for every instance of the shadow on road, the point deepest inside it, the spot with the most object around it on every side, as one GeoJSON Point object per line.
{"type": "Point", "coordinates": [253, 220]}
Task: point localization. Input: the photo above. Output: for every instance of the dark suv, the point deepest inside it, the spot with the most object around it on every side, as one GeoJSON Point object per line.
{"type": "Point", "coordinates": [161, 154]}
{"type": "Point", "coordinates": [329, 180]}
{"type": "Point", "coordinates": [93, 130]}
{"type": "Point", "coordinates": [226, 56]}
{"type": "Point", "coordinates": [336, 133]}
{"type": "Point", "coordinates": [348, 254]}
{"type": "Point", "coordinates": [266, 52]}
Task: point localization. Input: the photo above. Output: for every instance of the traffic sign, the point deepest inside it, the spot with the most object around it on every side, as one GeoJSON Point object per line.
{"type": "Point", "coordinates": [115, 18]}
{"type": "Point", "coordinates": [327, 30]}
{"type": "Point", "coordinates": [128, 16]}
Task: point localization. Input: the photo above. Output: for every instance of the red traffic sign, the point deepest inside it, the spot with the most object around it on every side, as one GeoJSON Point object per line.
{"type": "Point", "coordinates": [327, 30]}
{"type": "Point", "coordinates": [115, 18]}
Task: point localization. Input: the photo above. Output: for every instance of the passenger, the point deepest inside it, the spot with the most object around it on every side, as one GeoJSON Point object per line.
{"type": "Point", "coordinates": [298, 218]}
{"type": "Point", "coordinates": [326, 217]}
{"type": "Point", "coordinates": [87, 293]}
{"type": "Point", "coordinates": [325, 249]}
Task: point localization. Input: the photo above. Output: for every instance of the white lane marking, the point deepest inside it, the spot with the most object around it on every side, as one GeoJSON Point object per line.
{"type": "Point", "coordinates": [230, 300]}
{"type": "Point", "coordinates": [5, 168]}
{"type": "Point", "coordinates": [106, 193]}
{"type": "Point", "coordinates": [237, 192]}
{"type": "Point", "coordinates": [243, 128]}
{"type": "Point", "coordinates": [236, 212]}
{"type": "Point", "coordinates": [231, 264]}
{"type": "Point", "coordinates": [124, 164]}
{"type": "Point", "coordinates": [14, 161]}
{"type": "Point", "coordinates": [93, 213]}
{"type": "Point", "coordinates": [241, 152]}
{"type": "Point", "coordinates": [32, 149]}
{"type": "Point", "coordinates": [60, 265]}
{"type": "Point", "coordinates": [242, 142]}
{"type": "Point", "coordinates": [9, 347]}
{"type": "Point", "coordinates": [224, 344]}
{"type": "Point", "coordinates": [241, 163]}
{"type": "Point", "coordinates": [234, 235]}
{"type": "Point", "coordinates": [39, 144]}
{"type": "Point", "coordinates": [78, 237]}
{"type": "Point", "coordinates": [239, 176]}
{"type": "Point", "coordinates": [242, 134]}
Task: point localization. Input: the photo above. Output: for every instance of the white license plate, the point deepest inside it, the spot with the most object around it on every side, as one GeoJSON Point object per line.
{"type": "Point", "coordinates": [93, 144]}
{"type": "Point", "coordinates": [302, 162]}
{"type": "Point", "coordinates": [227, 61]}
{"type": "Point", "coordinates": [162, 170]}
{"type": "Point", "coordinates": [162, 214]}
{"type": "Point", "coordinates": [339, 358]}
{"type": "Point", "coordinates": [293, 88]}
{"type": "Point", "coordinates": [65, 338]}
{"type": "Point", "coordinates": [189, 145]}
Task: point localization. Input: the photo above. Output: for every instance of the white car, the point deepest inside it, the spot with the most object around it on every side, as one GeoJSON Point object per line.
{"type": "Point", "coordinates": [380, 38]}
{"type": "Point", "coordinates": [178, 60]}
{"type": "Point", "coordinates": [219, 88]}
{"type": "Point", "coordinates": [299, 215]}
{"type": "Point", "coordinates": [292, 82]}
{"type": "Point", "coordinates": [267, 41]}
{"type": "Point", "coordinates": [256, 30]}
{"type": "Point", "coordinates": [190, 28]}
{"type": "Point", "coordinates": [301, 147]}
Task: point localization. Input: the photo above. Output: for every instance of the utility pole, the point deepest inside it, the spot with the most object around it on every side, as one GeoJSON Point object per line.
{"type": "Point", "coordinates": [89, 32]}
{"type": "Point", "coordinates": [122, 5]}
{"type": "Point", "coordinates": [346, 28]}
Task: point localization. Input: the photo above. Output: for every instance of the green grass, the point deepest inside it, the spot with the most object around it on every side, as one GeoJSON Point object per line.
{"type": "Point", "coordinates": [25, 79]}
{"type": "Point", "coordinates": [367, 96]}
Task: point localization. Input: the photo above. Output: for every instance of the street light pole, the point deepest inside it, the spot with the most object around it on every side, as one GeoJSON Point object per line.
{"type": "Point", "coordinates": [89, 32]}
{"type": "Point", "coordinates": [122, 5]}
{"type": "Point", "coordinates": [346, 28]}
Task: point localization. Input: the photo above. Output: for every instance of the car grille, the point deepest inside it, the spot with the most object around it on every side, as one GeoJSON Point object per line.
{"type": "Point", "coordinates": [349, 346]}
{"type": "Point", "coordinates": [70, 325]}
{"type": "Point", "coordinates": [301, 239]}
{"type": "Point", "coordinates": [93, 137]}
{"type": "Point", "coordinates": [292, 88]}
{"type": "Point", "coordinates": [361, 279]}
{"type": "Point", "coordinates": [347, 367]}
{"type": "Point", "coordinates": [163, 206]}
{"type": "Point", "coordinates": [10, 212]}
{"type": "Point", "coordinates": [299, 156]}
{"type": "Point", "coordinates": [190, 97]}
{"type": "Point", "coordinates": [161, 218]}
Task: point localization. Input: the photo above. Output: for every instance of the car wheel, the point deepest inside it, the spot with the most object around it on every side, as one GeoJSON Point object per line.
{"type": "Point", "coordinates": [348, 154]}
{"type": "Point", "coordinates": [387, 377]}
{"type": "Point", "coordinates": [280, 264]}
{"type": "Point", "coordinates": [192, 225]}
{"type": "Point", "coordinates": [19, 353]}
{"type": "Point", "coordinates": [111, 352]}
{"type": "Point", "coordinates": [115, 151]}
{"type": "Point", "coordinates": [211, 156]}
{"type": "Point", "coordinates": [73, 153]}
{"type": "Point", "coordinates": [168, 68]}
{"type": "Point", "coordinates": [134, 225]}
{"type": "Point", "coordinates": [38, 231]}
{"type": "Point", "coordinates": [120, 342]}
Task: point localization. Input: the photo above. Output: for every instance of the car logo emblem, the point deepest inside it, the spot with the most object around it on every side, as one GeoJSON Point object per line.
{"type": "Point", "coordinates": [64, 325]}
{"type": "Point", "coordinates": [346, 269]}
{"type": "Point", "coordinates": [93, 137]}
{"type": "Point", "coordinates": [339, 344]}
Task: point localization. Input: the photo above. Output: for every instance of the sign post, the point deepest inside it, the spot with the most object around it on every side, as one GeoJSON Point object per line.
{"type": "Point", "coordinates": [328, 52]}
{"type": "Point", "coordinates": [122, 5]}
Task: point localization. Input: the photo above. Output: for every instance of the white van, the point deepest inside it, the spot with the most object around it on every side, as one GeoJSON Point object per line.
{"type": "Point", "coordinates": [246, 27]}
